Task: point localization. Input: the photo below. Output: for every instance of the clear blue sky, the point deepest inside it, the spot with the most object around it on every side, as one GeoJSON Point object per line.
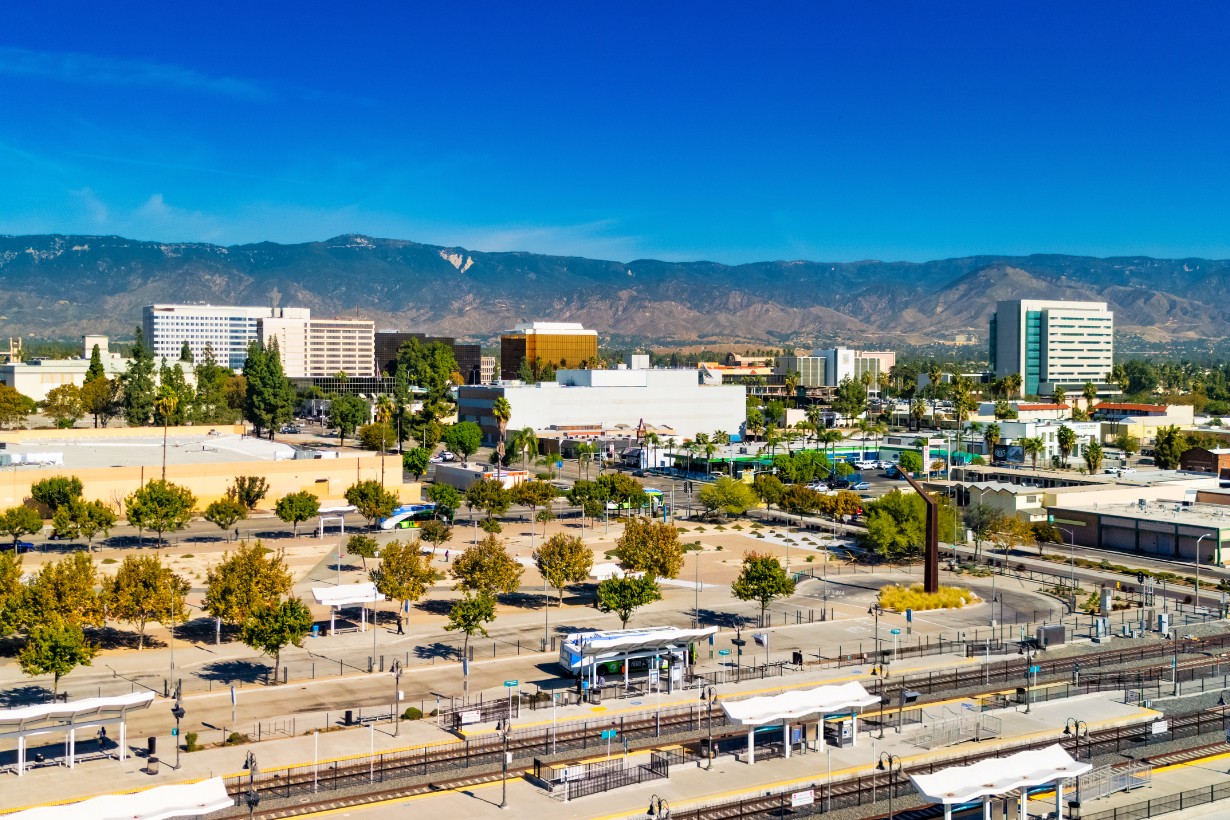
{"type": "Point", "coordinates": [724, 131]}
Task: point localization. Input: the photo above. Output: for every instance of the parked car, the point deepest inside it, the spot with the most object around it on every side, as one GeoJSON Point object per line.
{"type": "Point", "coordinates": [25, 546]}
{"type": "Point", "coordinates": [862, 485]}
{"type": "Point", "coordinates": [290, 429]}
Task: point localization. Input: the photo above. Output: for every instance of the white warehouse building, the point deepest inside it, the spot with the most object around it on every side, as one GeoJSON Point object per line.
{"type": "Point", "coordinates": [604, 399]}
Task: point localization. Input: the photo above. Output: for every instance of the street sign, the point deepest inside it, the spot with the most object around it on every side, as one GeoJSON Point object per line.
{"type": "Point", "coordinates": [909, 616]}
{"type": "Point", "coordinates": [1158, 727]}
{"type": "Point", "coordinates": [803, 798]}
{"type": "Point", "coordinates": [894, 632]}
{"type": "Point", "coordinates": [1033, 670]}
{"type": "Point", "coordinates": [723, 652]}
{"type": "Point", "coordinates": [511, 683]}
{"type": "Point", "coordinates": [559, 465]}
{"type": "Point", "coordinates": [609, 734]}
{"type": "Point", "coordinates": [472, 716]}
{"type": "Point", "coordinates": [175, 732]}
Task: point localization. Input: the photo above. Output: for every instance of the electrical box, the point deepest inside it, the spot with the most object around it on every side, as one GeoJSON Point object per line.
{"type": "Point", "coordinates": [1051, 635]}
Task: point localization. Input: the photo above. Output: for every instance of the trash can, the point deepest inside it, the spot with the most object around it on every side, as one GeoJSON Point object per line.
{"type": "Point", "coordinates": [349, 717]}
{"type": "Point", "coordinates": [595, 696]}
{"type": "Point", "coordinates": [151, 744]}
{"type": "Point", "coordinates": [151, 765]}
{"type": "Point", "coordinates": [315, 630]}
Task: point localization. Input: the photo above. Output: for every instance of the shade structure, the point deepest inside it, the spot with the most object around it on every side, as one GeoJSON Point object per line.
{"type": "Point", "coordinates": [999, 775]}
{"type": "Point", "coordinates": [181, 800]}
{"type": "Point", "coordinates": [591, 644]}
{"type": "Point", "coordinates": [822, 700]}
{"type": "Point", "coordinates": [346, 595]}
{"type": "Point", "coordinates": [77, 711]}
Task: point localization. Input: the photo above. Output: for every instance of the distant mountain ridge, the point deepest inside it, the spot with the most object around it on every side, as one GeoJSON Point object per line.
{"type": "Point", "coordinates": [60, 286]}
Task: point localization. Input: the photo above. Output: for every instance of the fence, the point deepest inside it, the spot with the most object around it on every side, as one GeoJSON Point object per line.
{"type": "Point", "coordinates": [1163, 805]}
{"type": "Point", "coordinates": [1107, 780]}
{"type": "Point", "coordinates": [609, 778]}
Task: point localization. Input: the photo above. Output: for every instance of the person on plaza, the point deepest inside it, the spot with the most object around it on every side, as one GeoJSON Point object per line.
{"type": "Point", "coordinates": [446, 556]}
{"type": "Point", "coordinates": [400, 629]}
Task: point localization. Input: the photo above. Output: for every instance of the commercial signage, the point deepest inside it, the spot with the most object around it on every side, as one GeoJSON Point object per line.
{"type": "Point", "coordinates": [1008, 452]}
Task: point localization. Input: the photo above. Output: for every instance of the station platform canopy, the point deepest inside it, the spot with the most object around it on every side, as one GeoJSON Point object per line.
{"type": "Point", "coordinates": [792, 706]}
{"type": "Point", "coordinates": [24, 722]}
{"type": "Point", "coordinates": [181, 800]}
{"type": "Point", "coordinates": [999, 775]}
{"type": "Point", "coordinates": [632, 641]}
{"type": "Point", "coordinates": [346, 595]}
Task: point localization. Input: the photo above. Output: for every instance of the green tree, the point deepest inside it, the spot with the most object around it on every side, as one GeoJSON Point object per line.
{"type": "Point", "coordinates": [269, 397]}
{"type": "Point", "coordinates": [248, 490]}
{"type": "Point", "coordinates": [160, 506]}
{"type": "Point", "coordinates": [429, 366]}
{"type": "Point", "coordinates": [651, 547]}
{"type": "Point", "coordinates": [372, 500]}
{"type": "Point", "coordinates": [101, 399]}
{"type": "Point", "coordinates": [1094, 456]}
{"type": "Point", "coordinates": [487, 568]}
{"type": "Point", "coordinates": [63, 591]}
{"type": "Point", "coordinates": [464, 438]}
{"type": "Point", "coordinates": [363, 546]}
{"type": "Point", "coordinates": [1033, 446]}
{"type": "Point", "coordinates": [378, 436]}
{"type": "Point", "coordinates": [625, 595]}
{"type": "Point", "coordinates": [1129, 444]}
{"type": "Point", "coordinates": [623, 490]}
{"type": "Point", "coordinates": [769, 489]}
{"type": "Point", "coordinates": [490, 496]}
{"type": "Point", "coordinates": [728, 496]}
{"type": "Point", "coordinates": [57, 491]}
{"type": "Point", "coordinates": [896, 525]}
{"type": "Point", "coordinates": [1066, 439]}
{"type": "Point", "coordinates": [240, 583]}
{"type": "Point", "coordinates": [404, 574]}
{"type": "Point", "coordinates": [213, 402]}
{"type": "Point", "coordinates": [84, 519]}
{"type": "Point", "coordinates": [12, 593]}
{"type": "Point", "coordinates": [271, 628]}
{"type": "Point", "coordinates": [185, 352]}
{"type": "Point", "coordinates": [534, 494]}
{"type": "Point", "coordinates": [173, 386]}
{"type": "Point", "coordinates": [139, 389]}
{"type": "Point", "coordinates": [346, 413]}
{"type": "Point", "coordinates": [225, 513]}
{"type": "Point", "coordinates": [469, 615]}
{"type": "Point", "coordinates": [910, 462]}
{"type": "Point", "coordinates": [501, 411]}
{"type": "Point", "coordinates": [981, 520]}
{"type": "Point", "coordinates": [96, 370]}
{"type": "Point", "coordinates": [435, 532]}
{"type": "Point", "coordinates": [55, 649]}
{"type": "Point", "coordinates": [562, 560]}
{"type": "Point", "coordinates": [18, 521]}
{"type": "Point", "coordinates": [14, 407]}
{"type": "Point", "coordinates": [762, 580]}
{"type": "Point", "coordinates": [800, 500]}
{"type": "Point", "coordinates": [590, 496]}
{"type": "Point", "coordinates": [295, 508]}
{"type": "Point", "coordinates": [63, 405]}
{"type": "Point", "coordinates": [143, 590]}
{"type": "Point", "coordinates": [850, 398]}
{"type": "Point", "coordinates": [446, 498]}
{"type": "Point", "coordinates": [416, 461]}
{"type": "Point", "coordinates": [1169, 446]}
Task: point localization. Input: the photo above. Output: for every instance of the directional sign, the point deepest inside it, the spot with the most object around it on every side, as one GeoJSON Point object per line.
{"type": "Point", "coordinates": [511, 683]}
{"type": "Point", "coordinates": [894, 632]}
{"type": "Point", "coordinates": [174, 732]}
{"type": "Point", "coordinates": [609, 734]}
{"type": "Point", "coordinates": [1033, 670]}
{"type": "Point", "coordinates": [723, 652]}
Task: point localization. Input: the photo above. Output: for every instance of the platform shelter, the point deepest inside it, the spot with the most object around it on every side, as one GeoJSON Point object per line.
{"type": "Point", "coordinates": [846, 699]}
{"type": "Point", "coordinates": [346, 595]}
{"type": "Point", "coordinates": [582, 653]}
{"type": "Point", "coordinates": [25, 722]}
{"type": "Point", "coordinates": [998, 777]}
{"type": "Point", "coordinates": [181, 800]}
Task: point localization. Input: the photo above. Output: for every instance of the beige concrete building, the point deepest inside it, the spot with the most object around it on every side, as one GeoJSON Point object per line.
{"type": "Point", "coordinates": [317, 348]}
{"type": "Point", "coordinates": [38, 377]}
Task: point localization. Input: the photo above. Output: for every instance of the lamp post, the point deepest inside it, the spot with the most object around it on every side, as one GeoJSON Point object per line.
{"type": "Point", "coordinates": [503, 727]}
{"type": "Point", "coordinates": [1198, 540]}
{"type": "Point", "coordinates": [875, 609]}
{"type": "Point", "coordinates": [252, 798]}
{"type": "Point", "coordinates": [658, 807]}
{"type": "Point", "coordinates": [396, 670]}
{"type": "Point", "coordinates": [1072, 560]}
{"type": "Point", "coordinates": [1076, 729]}
{"type": "Point", "coordinates": [1028, 651]}
{"type": "Point", "coordinates": [708, 693]}
{"type": "Point", "coordinates": [892, 764]}
{"type": "Point", "coordinates": [1174, 664]}
{"type": "Point", "coordinates": [178, 712]}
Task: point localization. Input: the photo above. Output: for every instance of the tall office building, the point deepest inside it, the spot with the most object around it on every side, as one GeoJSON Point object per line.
{"type": "Point", "coordinates": [227, 329]}
{"type": "Point", "coordinates": [561, 344]}
{"type": "Point", "coordinates": [827, 368]}
{"type": "Point", "coordinates": [341, 346]}
{"type": "Point", "coordinates": [1052, 343]}
{"type": "Point", "coordinates": [468, 356]}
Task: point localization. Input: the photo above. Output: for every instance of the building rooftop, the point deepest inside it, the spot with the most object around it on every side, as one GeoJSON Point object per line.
{"type": "Point", "coordinates": [1136, 408]}
{"type": "Point", "coordinates": [146, 451]}
{"type": "Point", "coordinates": [1175, 512]}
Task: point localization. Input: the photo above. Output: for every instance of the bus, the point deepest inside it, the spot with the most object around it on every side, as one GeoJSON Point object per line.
{"type": "Point", "coordinates": [653, 501]}
{"type": "Point", "coordinates": [409, 516]}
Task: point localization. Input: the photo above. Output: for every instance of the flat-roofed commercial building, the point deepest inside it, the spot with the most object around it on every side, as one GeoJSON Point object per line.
{"type": "Point", "coordinates": [559, 344]}
{"type": "Point", "coordinates": [226, 329]}
{"type": "Point", "coordinates": [389, 342]}
{"type": "Point", "coordinates": [1052, 343]}
{"type": "Point", "coordinates": [341, 346]}
{"type": "Point", "coordinates": [38, 377]}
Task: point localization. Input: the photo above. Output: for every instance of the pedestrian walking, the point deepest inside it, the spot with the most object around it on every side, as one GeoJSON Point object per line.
{"type": "Point", "coordinates": [446, 556]}
{"type": "Point", "coordinates": [400, 630]}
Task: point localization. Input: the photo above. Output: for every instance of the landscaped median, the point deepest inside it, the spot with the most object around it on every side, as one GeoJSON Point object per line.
{"type": "Point", "coordinates": [900, 598]}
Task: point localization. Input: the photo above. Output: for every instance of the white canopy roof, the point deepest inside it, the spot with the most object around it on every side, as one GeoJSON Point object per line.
{"type": "Point", "coordinates": [589, 644]}
{"type": "Point", "coordinates": [999, 775]}
{"type": "Point", "coordinates": [76, 711]}
{"type": "Point", "coordinates": [823, 700]}
{"type": "Point", "coordinates": [184, 800]}
{"type": "Point", "coordinates": [347, 594]}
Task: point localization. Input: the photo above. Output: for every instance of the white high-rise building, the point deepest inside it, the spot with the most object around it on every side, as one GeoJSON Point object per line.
{"type": "Point", "coordinates": [1052, 343]}
{"type": "Point", "coordinates": [227, 329]}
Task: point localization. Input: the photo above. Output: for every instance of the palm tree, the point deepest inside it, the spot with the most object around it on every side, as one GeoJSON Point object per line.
{"type": "Point", "coordinates": [830, 437]}
{"type": "Point", "coordinates": [918, 409]}
{"type": "Point", "coordinates": [525, 444]}
{"type": "Point", "coordinates": [815, 417]}
{"type": "Point", "coordinates": [1090, 392]}
{"type": "Point", "coordinates": [882, 382]}
{"type": "Point", "coordinates": [991, 436]}
{"type": "Point", "coordinates": [865, 427]}
{"type": "Point", "coordinates": [879, 429]}
{"type": "Point", "coordinates": [384, 414]}
{"type": "Point", "coordinates": [1066, 438]}
{"type": "Point", "coordinates": [934, 374]}
{"type": "Point", "coordinates": [502, 412]}
{"type": "Point", "coordinates": [1058, 394]}
{"type": "Point", "coordinates": [792, 386]}
{"type": "Point", "coordinates": [1012, 384]}
{"type": "Point", "coordinates": [670, 449]}
{"type": "Point", "coordinates": [652, 440]}
{"type": "Point", "coordinates": [1033, 447]}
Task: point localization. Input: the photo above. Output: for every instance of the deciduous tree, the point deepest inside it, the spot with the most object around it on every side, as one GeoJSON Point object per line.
{"type": "Point", "coordinates": [252, 577]}
{"type": "Point", "coordinates": [225, 513]}
{"type": "Point", "coordinates": [727, 496]}
{"type": "Point", "coordinates": [404, 574]}
{"type": "Point", "coordinates": [160, 506]}
{"type": "Point", "coordinates": [372, 500]}
{"type": "Point", "coordinates": [363, 546]}
{"type": "Point", "coordinates": [435, 532]}
{"type": "Point", "coordinates": [346, 413]}
{"type": "Point", "coordinates": [762, 579]}
{"type": "Point", "coordinates": [626, 594]}
{"type": "Point", "coordinates": [564, 559]}
{"type": "Point", "coordinates": [14, 407]}
{"type": "Point", "coordinates": [57, 491]}
{"type": "Point", "coordinates": [12, 593]}
{"type": "Point", "coordinates": [101, 399]}
{"type": "Point", "coordinates": [487, 568]}
{"type": "Point", "coordinates": [84, 519]}
{"type": "Point", "coordinates": [464, 438]}
{"type": "Point", "coordinates": [295, 508]}
{"type": "Point", "coordinates": [416, 462]}
{"type": "Point", "coordinates": [271, 628]}
{"type": "Point", "coordinates": [651, 547]}
{"type": "Point", "coordinates": [64, 405]}
{"type": "Point", "coordinates": [446, 498]}
{"type": "Point", "coordinates": [469, 615]}
{"type": "Point", "coordinates": [490, 496]}
{"type": "Point", "coordinates": [64, 591]}
{"type": "Point", "coordinates": [143, 590]}
{"type": "Point", "coordinates": [56, 649]}
{"type": "Point", "coordinates": [18, 521]}
{"type": "Point", "coordinates": [248, 490]}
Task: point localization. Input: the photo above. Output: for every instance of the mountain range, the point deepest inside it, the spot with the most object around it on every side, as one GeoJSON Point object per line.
{"type": "Point", "coordinates": [58, 286]}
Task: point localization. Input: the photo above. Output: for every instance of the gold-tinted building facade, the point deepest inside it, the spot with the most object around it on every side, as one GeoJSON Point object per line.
{"type": "Point", "coordinates": [560, 344]}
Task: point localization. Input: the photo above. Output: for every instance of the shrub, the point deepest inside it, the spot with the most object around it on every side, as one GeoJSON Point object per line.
{"type": "Point", "coordinates": [490, 525]}
{"type": "Point", "coordinates": [901, 598]}
{"type": "Point", "coordinates": [810, 558]}
{"type": "Point", "coordinates": [108, 561]}
{"type": "Point", "coordinates": [412, 713]}
{"type": "Point", "coordinates": [235, 738]}
{"type": "Point", "coordinates": [190, 742]}
{"type": "Point", "coordinates": [544, 476]}
{"type": "Point", "coordinates": [187, 555]}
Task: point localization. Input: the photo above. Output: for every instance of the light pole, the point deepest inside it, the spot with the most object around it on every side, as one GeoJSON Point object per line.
{"type": "Point", "coordinates": [1174, 664]}
{"type": "Point", "coordinates": [658, 807]}
{"type": "Point", "coordinates": [1076, 729]}
{"type": "Point", "coordinates": [1028, 651]}
{"type": "Point", "coordinates": [503, 727]}
{"type": "Point", "coordinates": [1198, 540]}
{"type": "Point", "coordinates": [892, 764]}
{"type": "Point", "coordinates": [396, 670]}
{"type": "Point", "coordinates": [252, 798]}
{"type": "Point", "coordinates": [876, 609]}
{"type": "Point", "coordinates": [1072, 560]}
{"type": "Point", "coordinates": [696, 593]}
{"type": "Point", "coordinates": [708, 693]}
{"type": "Point", "coordinates": [178, 712]}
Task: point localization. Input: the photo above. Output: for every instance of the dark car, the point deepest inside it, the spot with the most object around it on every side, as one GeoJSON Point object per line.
{"type": "Point", "coordinates": [25, 546]}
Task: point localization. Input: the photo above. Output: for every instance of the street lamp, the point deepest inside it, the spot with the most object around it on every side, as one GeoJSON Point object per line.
{"type": "Point", "coordinates": [396, 670]}
{"type": "Point", "coordinates": [658, 807]}
{"type": "Point", "coordinates": [876, 609]}
{"type": "Point", "coordinates": [1174, 664]}
{"type": "Point", "coordinates": [252, 798]}
{"type": "Point", "coordinates": [503, 728]}
{"type": "Point", "coordinates": [892, 764]}
{"type": "Point", "coordinates": [1198, 540]}
{"type": "Point", "coordinates": [1072, 561]}
{"type": "Point", "coordinates": [1076, 729]}
{"type": "Point", "coordinates": [178, 712]}
{"type": "Point", "coordinates": [708, 693]}
{"type": "Point", "coordinates": [1027, 650]}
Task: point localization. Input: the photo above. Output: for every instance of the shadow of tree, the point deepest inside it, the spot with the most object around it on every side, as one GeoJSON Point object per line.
{"type": "Point", "coordinates": [229, 671]}
{"type": "Point", "coordinates": [24, 696]}
{"type": "Point", "coordinates": [725, 620]}
{"type": "Point", "coordinates": [434, 606]}
{"type": "Point", "coordinates": [437, 650]}
{"type": "Point", "coordinates": [110, 637]}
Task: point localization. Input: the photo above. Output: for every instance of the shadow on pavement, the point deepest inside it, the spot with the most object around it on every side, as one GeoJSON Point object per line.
{"type": "Point", "coordinates": [228, 671]}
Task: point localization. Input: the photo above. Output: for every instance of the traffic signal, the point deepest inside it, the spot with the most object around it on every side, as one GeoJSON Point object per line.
{"type": "Point", "coordinates": [1140, 577]}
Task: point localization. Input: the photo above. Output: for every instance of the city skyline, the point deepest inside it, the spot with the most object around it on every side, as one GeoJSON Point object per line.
{"type": "Point", "coordinates": [682, 133]}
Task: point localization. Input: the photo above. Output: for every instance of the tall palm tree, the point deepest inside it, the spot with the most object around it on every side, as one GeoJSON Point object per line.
{"type": "Point", "coordinates": [692, 448]}
{"type": "Point", "coordinates": [1066, 439]}
{"type": "Point", "coordinates": [879, 429]}
{"type": "Point", "coordinates": [918, 409]}
{"type": "Point", "coordinates": [1090, 392]}
{"type": "Point", "coordinates": [865, 427]}
{"type": "Point", "coordinates": [830, 437]}
{"type": "Point", "coordinates": [882, 382]}
{"type": "Point", "coordinates": [501, 410]}
{"type": "Point", "coordinates": [991, 436]}
{"type": "Point", "coordinates": [385, 411]}
{"type": "Point", "coordinates": [525, 444]}
{"type": "Point", "coordinates": [652, 440]}
{"type": "Point", "coordinates": [815, 417]}
{"type": "Point", "coordinates": [670, 449]}
{"type": "Point", "coordinates": [1033, 447]}
{"type": "Point", "coordinates": [1012, 385]}
{"type": "Point", "coordinates": [791, 383]}
{"type": "Point", "coordinates": [1058, 395]}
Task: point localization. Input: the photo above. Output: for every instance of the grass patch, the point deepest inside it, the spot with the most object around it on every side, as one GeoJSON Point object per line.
{"type": "Point", "coordinates": [187, 555]}
{"type": "Point", "coordinates": [108, 561]}
{"type": "Point", "coordinates": [901, 598]}
{"type": "Point", "coordinates": [695, 546]}
{"type": "Point", "coordinates": [810, 558]}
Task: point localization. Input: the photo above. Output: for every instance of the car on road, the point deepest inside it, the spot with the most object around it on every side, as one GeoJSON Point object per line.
{"type": "Point", "coordinates": [289, 429]}
{"type": "Point", "coordinates": [862, 485]}
{"type": "Point", "coordinates": [562, 486]}
{"type": "Point", "coordinates": [639, 473]}
{"type": "Point", "coordinates": [25, 546]}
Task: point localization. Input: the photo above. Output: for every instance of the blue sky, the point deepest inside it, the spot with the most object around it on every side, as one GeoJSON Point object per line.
{"type": "Point", "coordinates": [722, 131]}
